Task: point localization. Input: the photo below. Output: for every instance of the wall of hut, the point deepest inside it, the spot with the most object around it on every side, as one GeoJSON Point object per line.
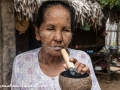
{"type": "Point", "coordinates": [7, 41]}
{"type": "Point", "coordinates": [88, 39]}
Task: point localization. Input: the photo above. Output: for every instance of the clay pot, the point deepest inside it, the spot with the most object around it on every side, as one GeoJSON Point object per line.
{"type": "Point", "coordinates": [68, 82]}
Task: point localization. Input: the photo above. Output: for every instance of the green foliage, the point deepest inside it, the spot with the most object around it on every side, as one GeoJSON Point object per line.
{"type": "Point", "coordinates": [110, 3]}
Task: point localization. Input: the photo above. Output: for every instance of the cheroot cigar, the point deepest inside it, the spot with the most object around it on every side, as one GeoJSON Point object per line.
{"type": "Point", "coordinates": [70, 65]}
{"type": "Point", "coordinates": [66, 58]}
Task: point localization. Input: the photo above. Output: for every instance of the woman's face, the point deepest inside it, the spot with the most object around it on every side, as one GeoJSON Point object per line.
{"type": "Point", "coordinates": [55, 31]}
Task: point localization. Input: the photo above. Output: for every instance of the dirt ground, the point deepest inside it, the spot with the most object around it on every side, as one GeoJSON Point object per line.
{"type": "Point", "coordinates": [114, 83]}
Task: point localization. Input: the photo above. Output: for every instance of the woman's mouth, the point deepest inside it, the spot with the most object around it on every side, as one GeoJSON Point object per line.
{"type": "Point", "coordinates": [57, 48]}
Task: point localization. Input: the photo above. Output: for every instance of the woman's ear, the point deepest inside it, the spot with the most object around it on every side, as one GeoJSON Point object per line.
{"type": "Point", "coordinates": [37, 33]}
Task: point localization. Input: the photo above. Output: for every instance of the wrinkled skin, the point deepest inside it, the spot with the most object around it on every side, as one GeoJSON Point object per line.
{"type": "Point", "coordinates": [55, 31]}
{"type": "Point", "coordinates": [55, 34]}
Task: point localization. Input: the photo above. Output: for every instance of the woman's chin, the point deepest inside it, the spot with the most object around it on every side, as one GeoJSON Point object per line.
{"type": "Point", "coordinates": [56, 53]}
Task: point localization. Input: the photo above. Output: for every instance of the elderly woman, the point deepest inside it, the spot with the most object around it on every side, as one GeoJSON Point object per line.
{"type": "Point", "coordinates": [39, 69]}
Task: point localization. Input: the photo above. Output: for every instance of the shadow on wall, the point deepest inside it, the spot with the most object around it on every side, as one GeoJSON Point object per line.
{"type": "Point", "coordinates": [27, 40]}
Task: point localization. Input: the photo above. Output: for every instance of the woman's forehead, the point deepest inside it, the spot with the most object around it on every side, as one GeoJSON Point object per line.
{"type": "Point", "coordinates": [57, 11]}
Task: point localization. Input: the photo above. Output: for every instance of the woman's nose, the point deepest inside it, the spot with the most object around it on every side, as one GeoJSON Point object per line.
{"type": "Point", "coordinates": [58, 36]}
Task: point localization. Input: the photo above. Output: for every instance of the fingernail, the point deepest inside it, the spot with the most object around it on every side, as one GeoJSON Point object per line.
{"type": "Point", "coordinates": [82, 73]}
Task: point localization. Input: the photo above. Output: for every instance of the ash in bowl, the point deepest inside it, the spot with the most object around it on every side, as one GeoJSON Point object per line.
{"type": "Point", "coordinates": [73, 74]}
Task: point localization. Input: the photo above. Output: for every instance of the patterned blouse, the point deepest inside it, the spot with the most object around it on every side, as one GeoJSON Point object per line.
{"type": "Point", "coordinates": [27, 75]}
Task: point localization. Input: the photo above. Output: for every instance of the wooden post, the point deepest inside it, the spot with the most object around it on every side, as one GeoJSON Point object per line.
{"type": "Point", "coordinates": [7, 40]}
{"type": "Point", "coordinates": [0, 48]}
{"type": "Point", "coordinates": [118, 38]}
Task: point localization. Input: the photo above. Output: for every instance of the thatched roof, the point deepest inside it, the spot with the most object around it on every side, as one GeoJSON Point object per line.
{"type": "Point", "coordinates": [86, 10]}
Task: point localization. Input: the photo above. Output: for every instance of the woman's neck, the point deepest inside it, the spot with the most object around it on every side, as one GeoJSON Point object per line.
{"type": "Point", "coordinates": [48, 59]}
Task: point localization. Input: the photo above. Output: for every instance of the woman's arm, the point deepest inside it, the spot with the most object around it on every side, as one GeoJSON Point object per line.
{"type": "Point", "coordinates": [95, 84]}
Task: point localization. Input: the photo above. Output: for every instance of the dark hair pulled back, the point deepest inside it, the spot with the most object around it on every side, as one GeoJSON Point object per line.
{"type": "Point", "coordinates": [45, 5]}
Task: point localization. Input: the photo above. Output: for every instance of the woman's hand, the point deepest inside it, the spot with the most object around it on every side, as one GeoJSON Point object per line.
{"type": "Point", "coordinates": [81, 68]}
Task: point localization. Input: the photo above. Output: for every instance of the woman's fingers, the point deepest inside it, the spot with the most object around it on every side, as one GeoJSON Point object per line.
{"type": "Point", "coordinates": [77, 64]}
{"type": "Point", "coordinates": [81, 68]}
{"type": "Point", "coordinates": [86, 69]}
{"type": "Point", "coordinates": [73, 60]}
{"type": "Point", "coordinates": [65, 66]}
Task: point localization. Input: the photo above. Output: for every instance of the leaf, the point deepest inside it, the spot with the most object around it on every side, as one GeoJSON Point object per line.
{"type": "Point", "coordinates": [110, 3]}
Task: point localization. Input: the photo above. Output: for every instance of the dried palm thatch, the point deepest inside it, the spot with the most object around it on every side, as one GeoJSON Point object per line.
{"type": "Point", "coordinates": [88, 11]}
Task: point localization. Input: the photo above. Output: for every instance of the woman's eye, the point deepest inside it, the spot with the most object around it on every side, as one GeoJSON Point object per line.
{"type": "Point", "coordinates": [66, 30]}
{"type": "Point", "coordinates": [50, 29]}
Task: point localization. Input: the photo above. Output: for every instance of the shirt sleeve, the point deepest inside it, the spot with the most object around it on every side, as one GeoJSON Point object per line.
{"type": "Point", "coordinates": [95, 84]}
{"type": "Point", "coordinates": [14, 81]}
{"type": "Point", "coordinates": [20, 77]}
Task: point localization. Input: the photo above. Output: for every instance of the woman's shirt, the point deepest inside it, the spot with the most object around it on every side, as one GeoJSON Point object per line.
{"type": "Point", "coordinates": [27, 74]}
